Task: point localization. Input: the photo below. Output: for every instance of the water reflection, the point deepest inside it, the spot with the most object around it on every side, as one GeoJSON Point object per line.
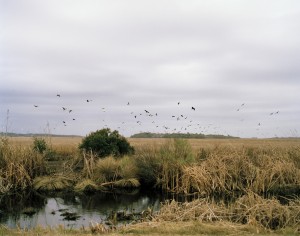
{"type": "Point", "coordinates": [51, 211]}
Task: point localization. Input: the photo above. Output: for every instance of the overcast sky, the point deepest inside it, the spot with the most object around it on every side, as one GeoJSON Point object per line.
{"type": "Point", "coordinates": [235, 61]}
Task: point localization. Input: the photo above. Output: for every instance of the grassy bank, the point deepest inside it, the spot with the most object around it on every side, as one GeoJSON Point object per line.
{"type": "Point", "coordinates": [206, 168]}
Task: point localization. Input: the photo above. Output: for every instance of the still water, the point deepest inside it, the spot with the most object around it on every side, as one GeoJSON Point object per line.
{"type": "Point", "coordinates": [29, 210]}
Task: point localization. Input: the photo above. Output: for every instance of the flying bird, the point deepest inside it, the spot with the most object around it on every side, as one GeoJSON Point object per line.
{"type": "Point", "coordinates": [128, 104]}
{"type": "Point", "coordinates": [57, 95]}
{"type": "Point", "coordinates": [193, 108]}
{"type": "Point", "coordinates": [70, 111]}
{"type": "Point", "coordinates": [88, 100]}
{"type": "Point", "coordinates": [64, 108]}
{"type": "Point", "coordinates": [35, 105]}
{"type": "Point", "coordinates": [178, 103]}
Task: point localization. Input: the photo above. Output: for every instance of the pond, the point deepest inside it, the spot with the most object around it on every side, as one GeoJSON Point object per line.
{"type": "Point", "coordinates": [71, 210]}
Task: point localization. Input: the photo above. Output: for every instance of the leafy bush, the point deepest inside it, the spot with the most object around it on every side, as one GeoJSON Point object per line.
{"type": "Point", "coordinates": [105, 142]}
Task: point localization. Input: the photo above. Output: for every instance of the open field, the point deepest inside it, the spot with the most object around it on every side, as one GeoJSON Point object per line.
{"type": "Point", "coordinates": [63, 142]}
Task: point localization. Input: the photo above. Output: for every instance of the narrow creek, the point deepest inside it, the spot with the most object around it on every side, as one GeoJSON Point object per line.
{"type": "Point", "coordinates": [71, 210]}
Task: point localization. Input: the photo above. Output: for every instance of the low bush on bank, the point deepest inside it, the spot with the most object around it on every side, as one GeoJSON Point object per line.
{"type": "Point", "coordinates": [105, 142]}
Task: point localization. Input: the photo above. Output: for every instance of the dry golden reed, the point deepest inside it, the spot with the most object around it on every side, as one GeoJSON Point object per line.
{"type": "Point", "coordinates": [248, 209]}
{"type": "Point", "coordinates": [53, 183]}
{"type": "Point", "coordinates": [18, 166]}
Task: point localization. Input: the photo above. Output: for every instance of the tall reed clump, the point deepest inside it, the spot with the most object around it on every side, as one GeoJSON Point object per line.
{"type": "Point", "coordinates": [163, 166]}
{"type": "Point", "coordinates": [18, 166]}
{"type": "Point", "coordinates": [110, 171]}
{"type": "Point", "coordinates": [226, 170]}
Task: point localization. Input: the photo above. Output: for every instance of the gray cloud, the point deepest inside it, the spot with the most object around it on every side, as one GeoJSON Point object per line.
{"type": "Point", "coordinates": [214, 55]}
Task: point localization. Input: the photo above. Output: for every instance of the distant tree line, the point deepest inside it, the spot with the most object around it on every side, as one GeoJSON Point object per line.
{"type": "Point", "coordinates": [181, 135]}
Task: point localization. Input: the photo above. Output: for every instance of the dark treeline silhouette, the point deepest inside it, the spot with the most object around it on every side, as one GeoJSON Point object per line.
{"type": "Point", "coordinates": [181, 135]}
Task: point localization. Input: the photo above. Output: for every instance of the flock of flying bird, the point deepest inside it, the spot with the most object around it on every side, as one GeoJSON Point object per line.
{"type": "Point", "coordinates": [147, 113]}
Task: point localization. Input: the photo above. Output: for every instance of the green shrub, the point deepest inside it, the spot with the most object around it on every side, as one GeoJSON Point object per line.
{"type": "Point", "coordinates": [105, 142]}
{"type": "Point", "coordinates": [39, 145]}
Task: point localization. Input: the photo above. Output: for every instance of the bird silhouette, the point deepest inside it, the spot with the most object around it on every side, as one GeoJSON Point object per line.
{"type": "Point", "coordinates": [57, 95]}
{"type": "Point", "coordinates": [88, 100]}
{"type": "Point", "coordinates": [178, 103]}
{"type": "Point", "coordinates": [193, 108]}
{"type": "Point", "coordinates": [35, 105]}
{"type": "Point", "coordinates": [70, 111]}
{"type": "Point", "coordinates": [128, 104]}
{"type": "Point", "coordinates": [64, 108]}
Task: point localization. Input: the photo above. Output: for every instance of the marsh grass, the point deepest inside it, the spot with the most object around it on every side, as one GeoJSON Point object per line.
{"type": "Point", "coordinates": [107, 170]}
{"type": "Point", "coordinates": [86, 186]}
{"type": "Point", "coordinates": [229, 169]}
{"type": "Point", "coordinates": [250, 209]}
{"type": "Point", "coordinates": [18, 166]}
{"type": "Point", "coordinates": [205, 167]}
{"type": "Point", "coordinates": [268, 213]}
{"type": "Point", "coordinates": [53, 183]}
{"type": "Point", "coordinates": [163, 166]}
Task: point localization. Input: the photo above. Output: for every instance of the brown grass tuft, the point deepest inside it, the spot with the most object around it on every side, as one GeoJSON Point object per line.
{"type": "Point", "coordinates": [53, 183]}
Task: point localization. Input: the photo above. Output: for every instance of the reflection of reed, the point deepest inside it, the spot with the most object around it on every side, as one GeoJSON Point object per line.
{"type": "Point", "coordinates": [18, 202]}
{"type": "Point", "coordinates": [51, 211]}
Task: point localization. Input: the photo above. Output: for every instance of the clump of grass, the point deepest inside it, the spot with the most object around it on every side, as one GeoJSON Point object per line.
{"type": "Point", "coordinates": [250, 209]}
{"type": "Point", "coordinates": [98, 228]}
{"type": "Point", "coordinates": [219, 174]}
{"type": "Point", "coordinates": [128, 167]}
{"type": "Point", "coordinates": [106, 170]}
{"type": "Point", "coordinates": [18, 166]}
{"type": "Point", "coordinates": [163, 166]}
{"type": "Point", "coordinates": [200, 209]}
{"type": "Point", "coordinates": [226, 171]}
{"type": "Point", "coordinates": [127, 183]}
{"type": "Point", "coordinates": [53, 183]}
{"type": "Point", "coordinates": [148, 162]}
{"type": "Point", "coordinates": [269, 213]}
{"type": "Point", "coordinates": [86, 185]}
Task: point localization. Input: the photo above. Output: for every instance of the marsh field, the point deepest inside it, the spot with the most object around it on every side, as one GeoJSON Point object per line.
{"type": "Point", "coordinates": [231, 186]}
